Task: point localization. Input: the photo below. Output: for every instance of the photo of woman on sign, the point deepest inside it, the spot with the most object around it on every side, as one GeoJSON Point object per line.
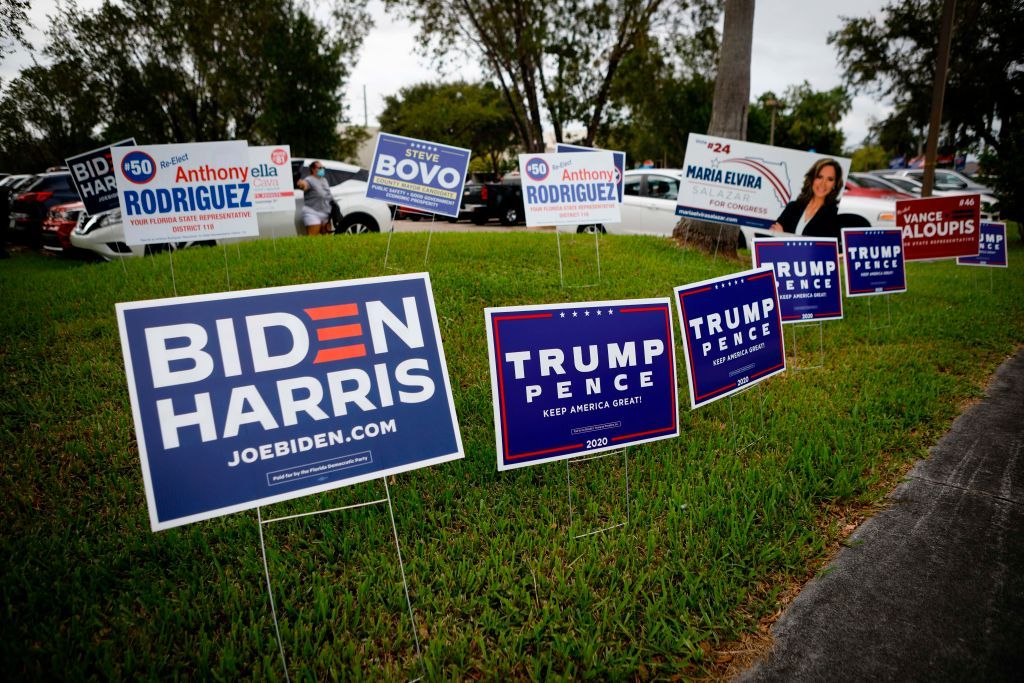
{"type": "Point", "coordinates": [815, 211]}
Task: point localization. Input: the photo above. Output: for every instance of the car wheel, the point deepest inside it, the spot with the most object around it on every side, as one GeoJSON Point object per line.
{"type": "Point", "coordinates": [479, 219]}
{"type": "Point", "coordinates": [356, 224]}
{"type": "Point", "coordinates": [591, 229]}
{"type": "Point", "coordinates": [510, 216]}
{"type": "Point", "coordinates": [414, 218]}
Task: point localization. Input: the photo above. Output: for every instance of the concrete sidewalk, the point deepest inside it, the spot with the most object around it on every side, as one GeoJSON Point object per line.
{"type": "Point", "coordinates": [932, 589]}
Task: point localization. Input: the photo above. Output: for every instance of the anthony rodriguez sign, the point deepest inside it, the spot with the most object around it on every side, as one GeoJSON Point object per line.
{"type": "Point", "coordinates": [186, 192]}
{"type": "Point", "coordinates": [576, 378]}
{"type": "Point", "coordinates": [806, 273]}
{"type": "Point", "coordinates": [732, 333]}
{"type": "Point", "coordinates": [243, 399]}
{"type": "Point", "coordinates": [570, 189]}
{"type": "Point", "coordinates": [939, 227]}
{"type": "Point", "coordinates": [874, 261]}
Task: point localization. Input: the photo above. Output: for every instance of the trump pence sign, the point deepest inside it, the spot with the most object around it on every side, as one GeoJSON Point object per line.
{"type": "Point", "coordinates": [939, 227]}
{"type": "Point", "coordinates": [418, 174]}
{"type": "Point", "coordinates": [577, 378]}
{"type": "Point", "coordinates": [874, 261]}
{"type": "Point", "coordinates": [732, 333]}
{"type": "Point", "coordinates": [806, 274]}
{"type": "Point", "coordinates": [243, 399]}
{"type": "Point", "coordinates": [187, 192]}
{"type": "Point", "coordinates": [991, 249]}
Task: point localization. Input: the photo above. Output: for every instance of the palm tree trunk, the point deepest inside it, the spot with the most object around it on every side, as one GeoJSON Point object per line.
{"type": "Point", "coordinates": [728, 119]}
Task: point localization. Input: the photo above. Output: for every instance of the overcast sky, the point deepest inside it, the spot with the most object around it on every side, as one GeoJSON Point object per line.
{"type": "Point", "coordinates": [789, 47]}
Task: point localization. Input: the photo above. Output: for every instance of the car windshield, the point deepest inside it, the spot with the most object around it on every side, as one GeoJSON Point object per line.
{"type": "Point", "coordinates": [52, 183]}
{"type": "Point", "coordinates": [662, 187]}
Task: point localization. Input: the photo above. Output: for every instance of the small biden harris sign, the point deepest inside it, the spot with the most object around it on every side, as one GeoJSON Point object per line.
{"type": "Point", "coordinates": [577, 378]}
{"type": "Point", "coordinates": [874, 261]}
{"type": "Point", "coordinates": [243, 399]}
{"type": "Point", "coordinates": [806, 274]}
{"type": "Point", "coordinates": [732, 333]}
{"type": "Point", "coordinates": [418, 174]}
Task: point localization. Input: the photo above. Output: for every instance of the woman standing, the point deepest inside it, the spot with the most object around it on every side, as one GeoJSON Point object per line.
{"type": "Point", "coordinates": [316, 208]}
{"type": "Point", "coordinates": [815, 212]}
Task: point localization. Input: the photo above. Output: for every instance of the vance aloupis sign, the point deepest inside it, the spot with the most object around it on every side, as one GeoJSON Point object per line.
{"type": "Point", "coordinates": [242, 399]}
{"type": "Point", "coordinates": [577, 378]}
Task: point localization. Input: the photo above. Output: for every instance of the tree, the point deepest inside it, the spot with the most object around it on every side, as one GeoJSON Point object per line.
{"type": "Point", "coordinates": [869, 157]}
{"type": "Point", "coordinates": [556, 59]}
{"type": "Point", "coordinates": [13, 20]}
{"type": "Point", "coordinates": [470, 115]}
{"type": "Point", "coordinates": [893, 56]}
{"type": "Point", "coordinates": [187, 70]}
{"type": "Point", "coordinates": [728, 117]}
{"type": "Point", "coordinates": [805, 119]}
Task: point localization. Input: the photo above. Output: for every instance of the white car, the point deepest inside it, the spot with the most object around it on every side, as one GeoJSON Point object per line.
{"type": "Point", "coordinates": [649, 206]}
{"type": "Point", "coordinates": [913, 185]}
{"type": "Point", "coordinates": [103, 233]}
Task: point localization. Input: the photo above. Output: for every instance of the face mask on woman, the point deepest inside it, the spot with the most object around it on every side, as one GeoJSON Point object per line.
{"type": "Point", "coordinates": [320, 173]}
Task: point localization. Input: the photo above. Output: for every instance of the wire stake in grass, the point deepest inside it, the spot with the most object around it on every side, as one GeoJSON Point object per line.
{"type": "Point", "coordinates": [227, 271]}
{"type": "Point", "coordinates": [398, 549]}
{"type": "Point", "coordinates": [430, 234]}
{"type": "Point", "coordinates": [391, 233]}
{"type": "Point", "coordinates": [561, 267]}
{"type": "Point", "coordinates": [761, 430]}
{"type": "Point", "coordinates": [568, 481]}
{"type": "Point", "coordinates": [888, 314]}
{"type": "Point", "coordinates": [821, 348]}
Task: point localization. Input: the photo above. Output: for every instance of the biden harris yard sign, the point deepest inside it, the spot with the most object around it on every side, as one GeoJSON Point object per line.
{"type": "Point", "coordinates": [580, 378]}
{"type": "Point", "coordinates": [93, 176]}
{"type": "Point", "coordinates": [418, 174]}
{"type": "Point", "coordinates": [732, 333]}
{"type": "Point", "coordinates": [939, 227]}
{"type": "Point", "coordinates": [874, 261]}
{"type": "Point", "coordinates": [570, 189]}
{"type": "Point", "coordinates": [806, 274]}
{"type": "Point", "coordinates": [243, 399]}
{"type": "Point", "coordinates": [193, 191]}
{"type": "Point", "coordinates": [991, 249]}
{"type": "Point", "coordinates": [742, 183]}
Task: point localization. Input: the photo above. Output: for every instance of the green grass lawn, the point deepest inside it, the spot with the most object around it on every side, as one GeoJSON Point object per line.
{"type": "Point", "coordinates": [498, 587]}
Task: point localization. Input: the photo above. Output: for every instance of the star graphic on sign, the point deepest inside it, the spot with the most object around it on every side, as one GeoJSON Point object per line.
{"type": "Point", "coordinates": [599, 311]}
{"type": "Point", "coordinates": [561, 315]}
{"type": "Point", "coordinates": [610, 312]}
{"type": "Point", "coordinates": [586, 313]}
{"type": "Point", "coordinates": [574, 314]}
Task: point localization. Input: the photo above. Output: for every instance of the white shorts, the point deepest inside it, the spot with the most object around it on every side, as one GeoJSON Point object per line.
{"type": "Point", "coordinates": [313, 217]}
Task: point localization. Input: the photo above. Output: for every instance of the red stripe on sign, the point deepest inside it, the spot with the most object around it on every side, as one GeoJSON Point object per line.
{"type": "Point", "coordinates": [339, 311]}
{"type": "Point", "coordinates": [519, 456]}
{"type": "Point", "coordinates": [649, 431]}
{"type": "Point", "coordinates": [523, 317]}
{"type": "Point", "coordinates": [339, 332]}
{"type": "Point", "coordinates": [758, 277]}
{"type": "Point", "coordinates": [340, 353]}
{"type": "Point", "coordinates": [694, 291]}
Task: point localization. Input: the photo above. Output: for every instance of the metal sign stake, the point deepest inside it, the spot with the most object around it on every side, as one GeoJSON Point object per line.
{"type": "Point", "coordinates": [597, 256]}
{"type": "Point", "coordinates": [398, 548]}
{"type": "Point", "coordinates": [888, 314]}
{"type": "Point", "coordinates": [568, 481]}
{"type": "Point", "coordinates": [430, 234]}
{"type": "Point", "coordinates": [821, 347]}
{"type": "Point", "coordinates": [170, 253]}
{"type": "Point", "coordinates": [227, 271]}
{"type": "Point", "coordinates": [732, 418]}
{"type": "Point", "coordinates": [391, 233]}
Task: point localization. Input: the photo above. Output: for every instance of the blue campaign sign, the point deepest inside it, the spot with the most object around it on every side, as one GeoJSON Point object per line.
{"type": "Point", "coordinates": [806, 274]}
{"type": "Point", "coordinates": [243, 399]}
{"type": "Point", "coordinates": [418, 174]}
{"type": "Point", "coordinates": [992, 248]}
{"type": "Point", "coordinates": [93, 176]}
{"type": "Point", "coordinates": [580, 378]}
{"type": "Point", "coordinates": [874, 261]}
{"type": "Point", "coordinates": [732, 333]}
{"type": "Point", "coordinates": [618, 157]}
